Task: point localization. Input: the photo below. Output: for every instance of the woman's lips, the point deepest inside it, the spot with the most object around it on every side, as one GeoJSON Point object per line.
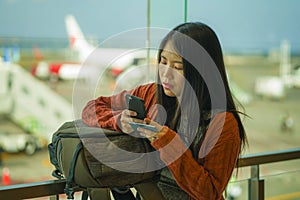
{"type": "Point", "coordinates": [167, 86]}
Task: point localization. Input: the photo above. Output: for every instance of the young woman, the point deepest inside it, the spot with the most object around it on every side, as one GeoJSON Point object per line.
{"type": "Point", "coordinates": [200, 134]}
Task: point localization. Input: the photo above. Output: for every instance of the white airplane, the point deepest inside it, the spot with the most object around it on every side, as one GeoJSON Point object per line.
{"type": "Point", "coordinates": [116, 60]}
{"type": "Point", "coordinates": [43, 69]}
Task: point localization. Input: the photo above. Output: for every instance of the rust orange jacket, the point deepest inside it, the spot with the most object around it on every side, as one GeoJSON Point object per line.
{"type": "Point", "coordinates": [205, 178]}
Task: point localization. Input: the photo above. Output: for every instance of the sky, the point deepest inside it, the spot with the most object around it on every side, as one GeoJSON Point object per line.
{"type": "Point", "coordinates": [240, 24]}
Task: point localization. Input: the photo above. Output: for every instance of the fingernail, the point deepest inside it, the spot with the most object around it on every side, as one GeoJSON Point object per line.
{"type": "Point", "coordinates": [147, 120]}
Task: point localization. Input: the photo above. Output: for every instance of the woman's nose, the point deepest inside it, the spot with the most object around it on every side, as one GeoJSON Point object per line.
{"type": "Point", "coordinates": [167, 71]}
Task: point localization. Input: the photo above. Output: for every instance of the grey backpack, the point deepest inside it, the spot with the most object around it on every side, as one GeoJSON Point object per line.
{"type": "Point", "coordinates": [74, 152]}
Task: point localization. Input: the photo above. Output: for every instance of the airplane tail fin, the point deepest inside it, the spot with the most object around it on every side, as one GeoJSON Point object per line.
{"type": "Point", "coordinates": [76, 38]}
{"type": "Point", "coordinates": [37, 53]}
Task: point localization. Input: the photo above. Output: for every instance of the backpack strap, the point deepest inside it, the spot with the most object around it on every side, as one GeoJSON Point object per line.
{"type": "Point", "coordinates": [69, 190]}
{"type": "Point", "coordinates": [84, 195]}
{"type": "Point", "coordinates": [122, 193]}
{"type": "Point", "coordinates": [149, 190]}
{"type": "Point", "coordinates": [57, 174]}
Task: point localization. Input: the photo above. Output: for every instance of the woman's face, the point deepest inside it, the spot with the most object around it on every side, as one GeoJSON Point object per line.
{"type": "Point", "coordinates": [171, 72]}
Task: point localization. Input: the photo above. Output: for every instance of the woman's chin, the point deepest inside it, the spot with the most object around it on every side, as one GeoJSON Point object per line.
{"type": "Point", "coordinates": [169, 93]}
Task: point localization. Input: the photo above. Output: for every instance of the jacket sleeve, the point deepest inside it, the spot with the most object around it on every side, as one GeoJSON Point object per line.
{"type": "Point", "coordinates": [105, 112]}
{"type": "Point", "coordinates": [206, 178]}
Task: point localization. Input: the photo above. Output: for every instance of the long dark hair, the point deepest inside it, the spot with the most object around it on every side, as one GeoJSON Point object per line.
{"type": "Point", "coordinates": [202, 81]}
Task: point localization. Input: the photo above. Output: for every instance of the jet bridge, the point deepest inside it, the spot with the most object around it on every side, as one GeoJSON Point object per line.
{"type": "Point", "coordinates": [30, 103]}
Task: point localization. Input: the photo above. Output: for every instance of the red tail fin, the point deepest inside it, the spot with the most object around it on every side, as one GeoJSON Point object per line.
{"type": "Point", "coordinates": [37, 53]}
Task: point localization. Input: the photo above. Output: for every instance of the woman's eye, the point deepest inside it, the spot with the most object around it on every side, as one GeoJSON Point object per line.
{"type": "Point", "coordinates": [178, 67]}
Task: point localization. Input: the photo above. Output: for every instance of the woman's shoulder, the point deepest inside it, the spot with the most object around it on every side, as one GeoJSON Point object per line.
{"type": "Point", "coordinates": [226, 116]}
{"type": "Point", "coordinates": [227, 122]}
{"type": "Point", "coordinates": [148, 86]}
{"type": "Point", "coordinates": [144, 89]}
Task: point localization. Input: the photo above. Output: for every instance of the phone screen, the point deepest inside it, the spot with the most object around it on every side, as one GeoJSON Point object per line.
{"type": "Point", "coordinates": [135, 125]}
{"type": "Point", "coordinates": [136, 104]}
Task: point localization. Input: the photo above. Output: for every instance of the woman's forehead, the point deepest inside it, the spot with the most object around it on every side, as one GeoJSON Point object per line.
{"type": "Point", "coordinates": [170, 52]}
{"type": "Point", "coordinates": [169, 47]}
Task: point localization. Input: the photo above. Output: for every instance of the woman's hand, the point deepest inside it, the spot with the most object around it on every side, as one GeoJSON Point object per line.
{"type": "Point", "coordinates": [126, 117]}
{"type": "Point", "coordinates": [150, 135]}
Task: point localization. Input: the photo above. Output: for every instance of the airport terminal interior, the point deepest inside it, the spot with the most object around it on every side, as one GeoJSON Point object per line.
{"type": "Point", "coordinates": [43, 84]}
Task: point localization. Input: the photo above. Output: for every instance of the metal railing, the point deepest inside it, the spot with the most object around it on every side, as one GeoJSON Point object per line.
{"type": "Point", "coordinates": [256, 190]}
{"type": "Point", "coordinates": [53, 188]}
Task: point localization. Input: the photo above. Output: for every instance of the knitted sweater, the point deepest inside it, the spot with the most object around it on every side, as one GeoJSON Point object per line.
{"type": "Point", "coordinates": [204, 178]}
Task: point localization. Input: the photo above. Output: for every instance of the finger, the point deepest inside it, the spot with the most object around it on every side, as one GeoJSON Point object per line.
{"type": "Point", "coordinates": [146, 132]}
{"type": "Point", "coordinates": [131, 113]}
{"type": "Point", "coordinates": [138, 120]}
{"type": "Point", "coordinates": [126, 128]}
{"type": "Point", "coordinates": [126, 117]}
{"type": "Point", "coordinates": [151, 122]}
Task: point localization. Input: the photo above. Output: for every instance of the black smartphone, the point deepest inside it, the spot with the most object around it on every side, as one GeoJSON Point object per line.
{"type": "Point", "coordinates": [136, 104]}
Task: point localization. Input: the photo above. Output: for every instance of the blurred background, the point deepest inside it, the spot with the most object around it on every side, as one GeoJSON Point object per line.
{"type": "Point", "coordinates": [45, 44]}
